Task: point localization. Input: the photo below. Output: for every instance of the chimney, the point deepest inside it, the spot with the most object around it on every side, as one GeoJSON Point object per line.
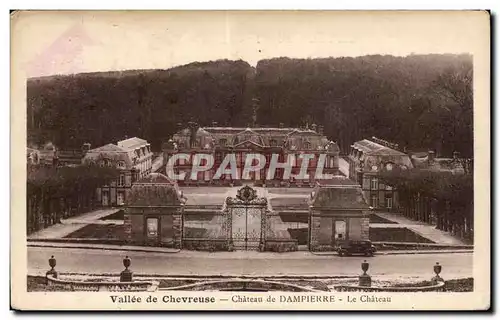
{"type": "Point", "coordinates": [431, 155]}
{"type": "Point", "coordinates": [313, 127]}
{"type": "Point", "coordinates": [320, 129]}
{"type": "Point", "coordinates": [456, 154]}
{"type": "Point", "coordinates": [214, 123]}
{"type": "Point", "coordinates": [282, 125]}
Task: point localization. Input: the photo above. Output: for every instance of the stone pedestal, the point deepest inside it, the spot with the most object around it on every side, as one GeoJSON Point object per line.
{"type": "Point", "coordinates": [126, 276]}
{"type": "Point", "coordinates": [365, 280]}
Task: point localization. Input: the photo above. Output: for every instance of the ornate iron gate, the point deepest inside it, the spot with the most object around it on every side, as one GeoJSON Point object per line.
{"type": "Point", "coordinates": [247, 212]}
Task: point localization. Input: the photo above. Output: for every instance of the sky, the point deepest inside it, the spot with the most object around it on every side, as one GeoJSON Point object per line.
{"type": "Point", "coordinates": [48, 43]}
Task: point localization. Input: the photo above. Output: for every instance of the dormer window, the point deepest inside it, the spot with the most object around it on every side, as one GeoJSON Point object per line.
{"type": "Point", "coordinates": [273, 143]}
{"type": "Point", "coordinates": [121, 165]}
{"type": "Point", "coordinates": [222, 142]}
{"type": "Point", "coordinates": [307, 145]}
{"type": "Point", "coordinates": [105, 162]}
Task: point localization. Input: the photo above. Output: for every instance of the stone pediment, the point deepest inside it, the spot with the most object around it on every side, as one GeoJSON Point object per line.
{"type": "Point", "coordinates": [248, 144]}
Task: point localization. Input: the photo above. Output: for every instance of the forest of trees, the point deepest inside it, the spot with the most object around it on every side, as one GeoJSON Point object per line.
{"type": "Point", "coordinates": [418, 101]}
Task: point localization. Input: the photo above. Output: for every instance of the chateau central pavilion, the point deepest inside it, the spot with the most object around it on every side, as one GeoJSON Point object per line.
{"type": "Point", "coordinates": [288, 143]}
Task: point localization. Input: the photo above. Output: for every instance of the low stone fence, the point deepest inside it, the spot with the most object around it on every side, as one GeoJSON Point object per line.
{"type": "Point", "coordinates": [127, 284]}
{"type": "Point", "coordinates": [281, 245]}
{"type": "Point", "coordinates": [211, 245]}
{"type": "Point", "coordinates": [439, 286]}
{"type": "Point", "coordinates": [74, 285]}
{"type": "Point", "coordinates": [241, 285]}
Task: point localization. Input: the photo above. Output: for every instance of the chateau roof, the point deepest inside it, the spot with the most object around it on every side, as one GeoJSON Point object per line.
{"type": "Point", "coordinates": [131, 143]}
{"type": "Point", "coordinates": [156, 177]}
{"type": "Point", "coordinates": [154, 190]}
{"type": "Point", "coordinates": [369, 147]}
{"type": "Point", "coordinates": [234, 130]}
{"type": "Point", "coordinates": [108, 148]}
{"type": "Point", "coordinates": [339, 193]}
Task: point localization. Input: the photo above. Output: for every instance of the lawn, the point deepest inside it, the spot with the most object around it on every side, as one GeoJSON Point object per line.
{"type": "Point", "coordinates": [300, 235]}
{"type": "Point", "coordinates": [378, 219]}
{"type": "Point", "coordinates": [294, 217]}
{"type": "Point", "coordinates": [119, 215]}
{"type": "Point", "coordinates": [396, 235]}
{"type": "Point", "coordinates": [99, 231]}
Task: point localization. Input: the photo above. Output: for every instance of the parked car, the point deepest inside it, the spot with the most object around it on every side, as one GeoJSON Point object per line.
{"type": "Point", "coordinates": [353, 247]}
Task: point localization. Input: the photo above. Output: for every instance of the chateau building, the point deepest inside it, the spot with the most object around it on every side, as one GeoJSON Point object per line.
{"type": "Point", "coordinates": [133, 157]}
{"type": "Point", "coordinates": [367, 159]}
{"type": "Point", "coordinates": [287, 143]}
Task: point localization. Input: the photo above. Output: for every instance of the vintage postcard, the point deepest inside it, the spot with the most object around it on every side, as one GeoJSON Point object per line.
{"type": "Point", "coordinates": [250, 160]}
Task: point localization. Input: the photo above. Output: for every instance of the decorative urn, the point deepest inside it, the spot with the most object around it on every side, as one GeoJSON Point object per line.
{"type": "Point", "coordinates": [52, 263]}
{"type": "Point", "coordinates": [364, 266]}
{"type": "Point", "coordinates": [365, 280]}
{"type": "Point", "coordinates": [437, 269]}
{"type": "Point", "coordinates": [126, 262]}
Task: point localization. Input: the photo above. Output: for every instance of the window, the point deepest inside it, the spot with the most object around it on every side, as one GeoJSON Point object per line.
{"type": "Point", "coordinates": [120, 198]}
{"type": "Point", "coordinates": [222, 142]}
{"type": "Point", "coordinates": [374, 201]}
{"type": "Point", "coordinates": [307, 145]}
{"type": "Point", "coordinates": [218, 157]}
{"type": "Point", "coordinates": [374, 184]}
{"type": "Point", "coordinates": [152, 227]}
{"type": "Point", "coordinates": [388, 202]}
{"type": "Point", "coordinates": [121, 180]}
{"type": "Point", "coordinates": [273, 143]}
{"type": "Point", "coordinates": [388, 166]}
{"type": "Point", "coordinates": [340, 230]}
{"type": "Point", "coordinates": [121, 165]}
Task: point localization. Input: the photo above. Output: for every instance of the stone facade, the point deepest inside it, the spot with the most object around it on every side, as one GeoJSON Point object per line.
{"type": "Point", "coordinates": [133, 157]}
{"type": "Point", "coordinates": [153, 214]}
{"type": "Point", "coordinates": [338, 212]}
{"type": "Point", "coordinates": [367, 159]}
{"type": "Point", "coordinates": [288, 143]}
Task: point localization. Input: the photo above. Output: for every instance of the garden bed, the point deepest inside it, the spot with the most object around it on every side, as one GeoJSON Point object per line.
{"type": "Point", "coordinates": [119, 215]}
{"type": "Point", "coordinates": [99, 231]}
{"type": "Point", "coordinates": [292, 217]}
{"type": "Point", "coordinates": [301, 235]}
{"type": "Point", "coordinates": [378, 219]}
{"type": "Point", "coordinates": [396, 235]}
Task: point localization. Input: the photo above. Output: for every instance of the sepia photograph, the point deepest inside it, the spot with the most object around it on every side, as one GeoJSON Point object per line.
{"type": "Point", "coordinates": [250, 160]}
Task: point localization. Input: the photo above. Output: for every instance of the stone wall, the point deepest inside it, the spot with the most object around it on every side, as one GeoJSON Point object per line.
{"type": "Point", "coordinates": [170, 226]}
{"type": "Point", "coordinates": [322, 227]}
